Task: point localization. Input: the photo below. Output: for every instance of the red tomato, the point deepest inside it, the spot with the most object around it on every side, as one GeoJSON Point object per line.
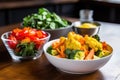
{"type": "Point", "coordinates": [21, 35]}
{"type": "Point", "coordinates": [15, 31]}
{"type": "Point", "coordinates": [34, 39]}
{"type": "Point", "coordinates": [44, 34]}
{"type": "Point", "coordinates": [39, 44]}
{"type": "Point", "coordinates": [13, 43]}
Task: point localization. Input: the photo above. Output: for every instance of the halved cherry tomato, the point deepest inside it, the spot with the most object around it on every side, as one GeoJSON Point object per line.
{"type": "Point", "coordinates": [13, 43]}
{"type": "Point", "coordinates": [34, 39]}
{"type": "Point", "coordinates": [15, 31]}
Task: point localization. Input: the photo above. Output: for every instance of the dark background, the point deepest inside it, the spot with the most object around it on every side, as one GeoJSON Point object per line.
{"type": "Point", "coordinates": [103, 11]}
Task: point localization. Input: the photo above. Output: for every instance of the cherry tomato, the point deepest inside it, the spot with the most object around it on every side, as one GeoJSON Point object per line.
{"type": "Point", "coordinates": [34, 39]}
{"type": "Point", "coordinates": [15, 31]}
{"type": "Point", "coordinates": [13, 43]}
{"type": "Point", "coordinates": [21, 35]}
{"type": "Point", "coordinates": [44, 34]}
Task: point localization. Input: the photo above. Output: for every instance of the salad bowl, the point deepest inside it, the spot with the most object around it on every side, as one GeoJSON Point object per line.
{"type": "Point", "coordinates": [75, 65]}
{"type": "Point", "coordinates": [48, 21]}
{"type": "Point", "coordinates": [9, 44]}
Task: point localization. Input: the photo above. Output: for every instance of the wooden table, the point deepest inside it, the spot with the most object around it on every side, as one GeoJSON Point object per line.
{"type": "Point", "coordinates": [41, 69]}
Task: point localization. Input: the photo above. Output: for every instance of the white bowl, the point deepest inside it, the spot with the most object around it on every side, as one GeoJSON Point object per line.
{"type": "Point", "coordinates": [5, 39]}
{"type": "Point", "coordinates": [75, 66]}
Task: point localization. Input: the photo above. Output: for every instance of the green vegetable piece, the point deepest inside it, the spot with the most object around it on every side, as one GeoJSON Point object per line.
{"type": "Point", "coordinates": [96, 37]}
{"type": "Point", "coordinates": [75, 54]}
{"type": "Point", "coordinates": [43, 11]}
{"type": "Point", "coordinates": [52, 25]}
{"type": "Point", "coordinates": [30, 49]}
{"type": "Point", "coordinates": [48, 19]}
{"type": "Point", "coordinates": [54, 52]}
{"type": "Point", "coordinates": [49, 50]}
{"type": "Point", "coordinates": [26, 49]}
{"type": "Point", "coordinates": [102, 53]}
{"type": "Point", "coordinates": [72, 54]}
{"type": "Point", "coordinates": [80, 55]}
{"type": "Point", "coordinates": [60, 20]}
{"type": "Point", "coordinates": [68, 51]}
{"type": "Point", "coordinates": [98, 52]}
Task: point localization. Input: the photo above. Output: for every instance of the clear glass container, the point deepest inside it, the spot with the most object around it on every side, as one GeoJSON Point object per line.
{"type": "Point", "coordinates": [15, 58]}
{"type": "Point", "coordinates": [86, 15]}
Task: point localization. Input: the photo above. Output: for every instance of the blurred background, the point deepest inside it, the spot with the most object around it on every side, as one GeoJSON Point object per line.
{"type": "Point", "coordinates": [13, 11]}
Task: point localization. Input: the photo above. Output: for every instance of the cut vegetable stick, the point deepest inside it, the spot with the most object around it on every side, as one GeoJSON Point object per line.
{"type": "Point", "coordinates": [90, 55]}
{"type": "Point", "coordinates": [61, 51]}
{"type": "Point", "coordinates": [86, 52]}
{"type": "Point", "coordinates": [59, 43]}
{"type": "Point", "coordinates": [56, 44]}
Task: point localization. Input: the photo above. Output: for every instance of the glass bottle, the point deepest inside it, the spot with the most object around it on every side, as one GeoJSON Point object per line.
{"type": "Point", "coordinates": [86, 15]}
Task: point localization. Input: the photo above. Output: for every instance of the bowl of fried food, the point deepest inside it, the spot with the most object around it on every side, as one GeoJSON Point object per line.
{"type": "Point", "coordinates": [77, 54]}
